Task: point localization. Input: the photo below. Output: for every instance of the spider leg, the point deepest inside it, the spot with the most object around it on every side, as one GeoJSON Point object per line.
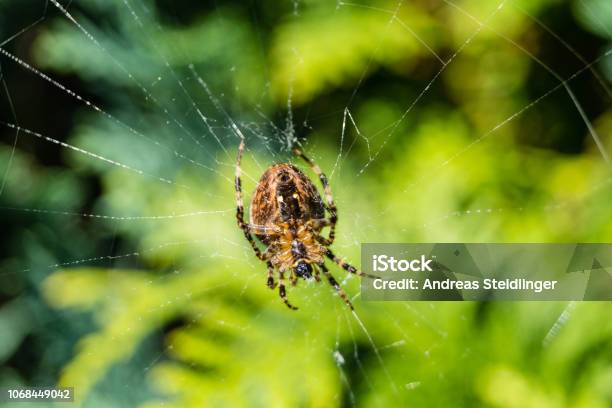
{"type": "Point", "coordinates": [240, 205]}
{"type": "Point", "coordinates": [336, 285]}
{"type": "Point", "coordinates": [317, 275]}
{"type": "Point", "coordinates": [323, 241]}
{"type": "Point", "coordinates": [271, 284]}
{"type": "Point", "coordinates": [331, 206]}
{"type": "Point", "coordinates": [317, 225]}
{"type": "Point", "coordinates": [263, 230]}
{"type": "Point", "coordinates": [282, 291]}
{"type": "Point", "coordinates": [293, 278]}
{"type": "Point", "coordinates": [346, 266]}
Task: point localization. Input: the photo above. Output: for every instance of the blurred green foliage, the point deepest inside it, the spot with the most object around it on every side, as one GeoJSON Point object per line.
{"type": "Point", "coordinates": [178, 314]}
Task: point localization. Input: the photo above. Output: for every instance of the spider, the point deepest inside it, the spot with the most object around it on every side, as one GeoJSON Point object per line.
{"type": "Point", "coordinates": [287, 215]}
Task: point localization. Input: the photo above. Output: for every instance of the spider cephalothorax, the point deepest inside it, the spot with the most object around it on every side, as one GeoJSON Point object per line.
{"type": "Point", "coordinates": [287, 215]}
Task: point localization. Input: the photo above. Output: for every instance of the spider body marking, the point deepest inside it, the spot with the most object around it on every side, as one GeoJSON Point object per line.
{"type": "Point", "coordinates": [286, 198]}
{"type": "Point", "coordinates": [288, 215]}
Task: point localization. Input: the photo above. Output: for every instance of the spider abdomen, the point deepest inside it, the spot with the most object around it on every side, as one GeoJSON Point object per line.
{"type": "Point", "coordinates": [284, 195]}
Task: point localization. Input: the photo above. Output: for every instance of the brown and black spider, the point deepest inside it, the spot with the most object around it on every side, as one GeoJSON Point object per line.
{"type": "Point", "coordinates": [287, 215]}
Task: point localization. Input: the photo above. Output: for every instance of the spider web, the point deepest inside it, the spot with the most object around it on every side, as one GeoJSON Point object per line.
{"type": "Point", "coordinates": [181, 140]}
